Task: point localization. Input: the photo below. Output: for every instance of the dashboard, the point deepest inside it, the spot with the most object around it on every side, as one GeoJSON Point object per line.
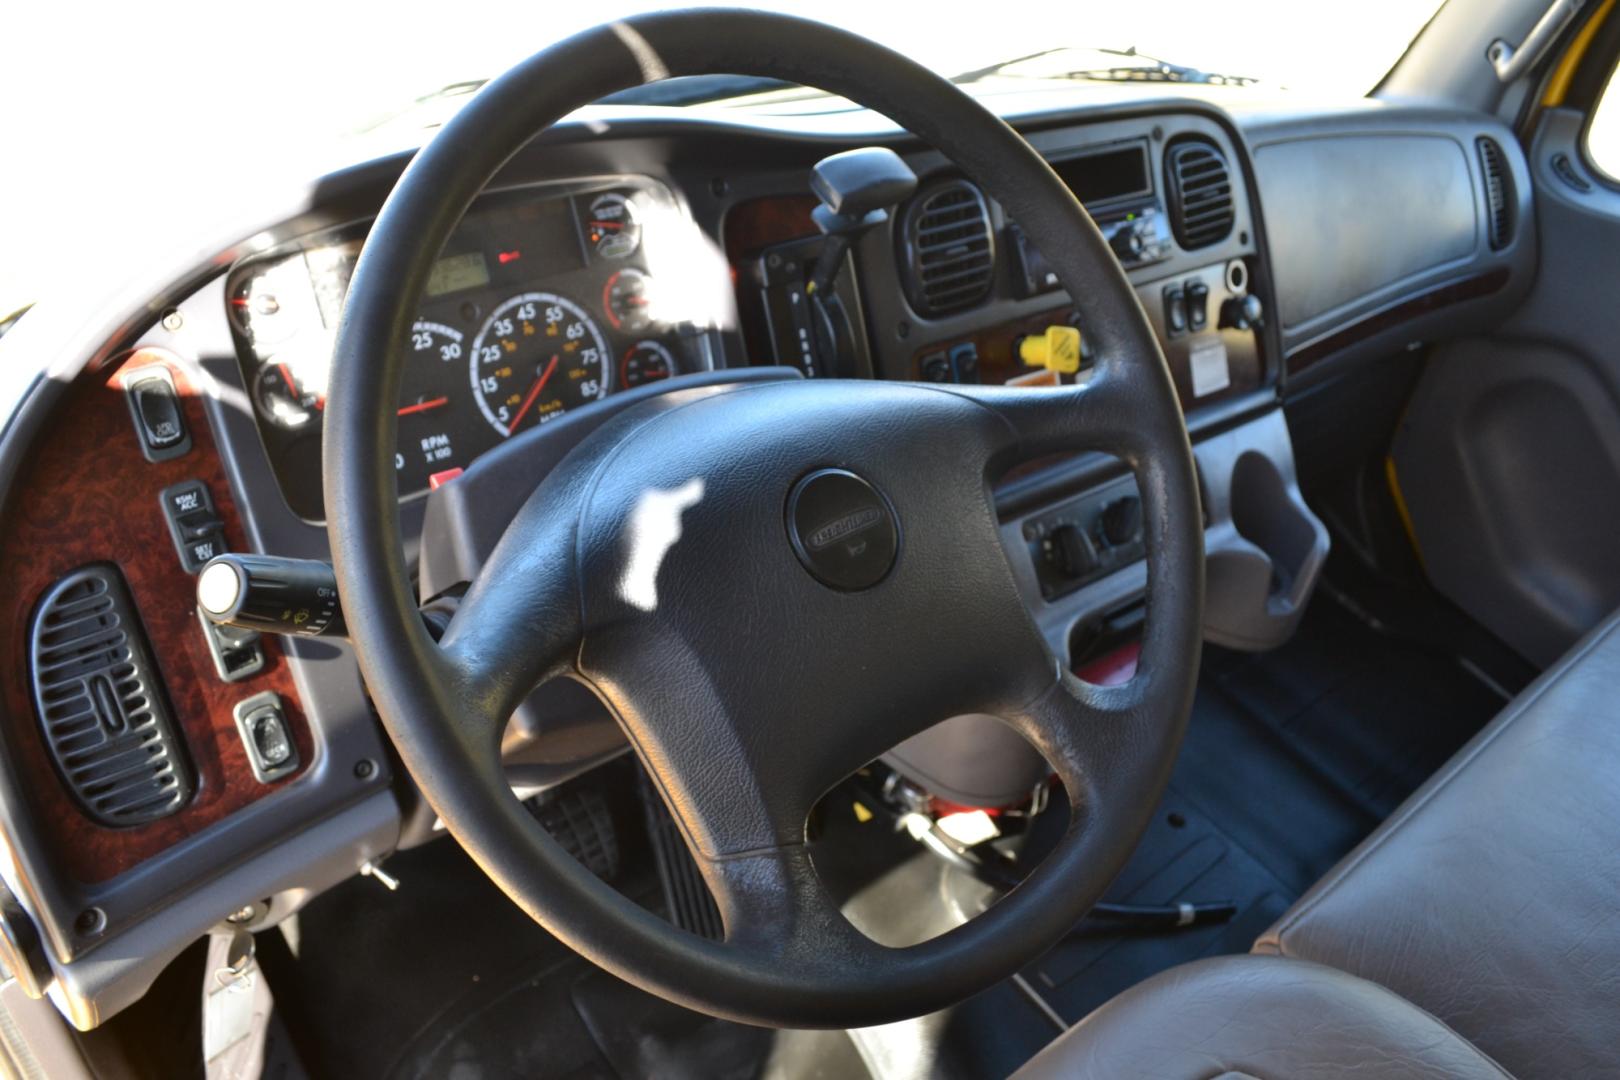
{"type": "Point", "coordinates": [545, 299]}
{"type": "Point", "coordinates": [615, 256]}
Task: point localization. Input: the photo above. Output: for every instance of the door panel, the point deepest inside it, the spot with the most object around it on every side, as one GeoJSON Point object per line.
{"type": "Point", "coordinates": [1509, 455]}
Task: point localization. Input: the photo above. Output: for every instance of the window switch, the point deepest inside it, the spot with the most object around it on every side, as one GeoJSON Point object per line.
{"type": "Point", "coordinates": [154, 404]}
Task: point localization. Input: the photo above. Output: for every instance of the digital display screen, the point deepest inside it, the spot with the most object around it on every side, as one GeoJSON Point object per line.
{"type": "Point", "coordinates": [1113, 174]}
{"type": "Point", "coordinates": [456, 272]}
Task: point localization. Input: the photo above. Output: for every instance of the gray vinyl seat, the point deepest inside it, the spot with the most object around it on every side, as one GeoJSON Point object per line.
{"type": "Point", "coordinates": [1477, 930]}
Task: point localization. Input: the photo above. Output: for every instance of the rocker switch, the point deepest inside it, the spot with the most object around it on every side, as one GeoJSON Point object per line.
{"type": "Point", "coordinates": [154, 405]}
{"type": "Point", "coordinates": [266, 736]}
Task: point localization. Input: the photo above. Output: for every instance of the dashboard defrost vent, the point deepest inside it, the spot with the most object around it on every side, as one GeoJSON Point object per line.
{"type": "Point", "coordinates": [1200, 186]}
{"type": "Point", "coordinates": [1498, 194]}
{"type": "Point", "coordinates": [105, 717]}
{"type": "Point", "coordinates": [949, 253]}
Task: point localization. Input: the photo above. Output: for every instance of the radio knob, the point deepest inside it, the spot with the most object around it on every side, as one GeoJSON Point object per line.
{"type": "Point", "coordinates": [1127, 243]}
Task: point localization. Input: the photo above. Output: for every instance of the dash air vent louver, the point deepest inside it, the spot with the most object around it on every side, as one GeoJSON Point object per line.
{"type": "Point", "coordinates": [105, 717]}
{"type": "Point", "coordinates": [1498, 194]}
{"type": "Point", "coordinates": [949, 260]}
{"type": "Point", "coordinates": [1200, 186]}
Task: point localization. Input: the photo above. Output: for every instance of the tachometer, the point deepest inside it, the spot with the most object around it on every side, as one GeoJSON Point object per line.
{"type": "Point", "coordinates": [430, 432]}
{"type": "Point", "coordinates": [538, 355]}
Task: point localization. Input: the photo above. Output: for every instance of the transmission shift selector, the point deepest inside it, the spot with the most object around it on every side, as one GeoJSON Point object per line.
{"type": "Point", "coordinates": [856, 189]}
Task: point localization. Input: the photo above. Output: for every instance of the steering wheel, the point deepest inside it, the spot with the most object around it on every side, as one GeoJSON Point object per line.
{"type": "Point", "coordinates": [769, 585]}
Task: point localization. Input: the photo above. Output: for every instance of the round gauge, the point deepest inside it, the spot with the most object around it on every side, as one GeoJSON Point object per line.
{"type": "Point", "coordinates": [283, 399]}
{"type": "Point", "coordinates": [538, 355]}
{"type": "Point", "coordinates": [430, 369]}
{"type": "Point", "coordinates": [612, 227]}
{"type": "Point", "coordinates": [431, 438]}
{"type": "Point", "coordinates": [258, 311]}
{"type": "Point", "coordinates": [645, 362]}
{"type": "Point", "coordinates": [627, 298]}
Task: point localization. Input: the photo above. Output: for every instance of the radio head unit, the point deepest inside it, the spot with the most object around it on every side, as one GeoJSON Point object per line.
{"type": "Point", "coordinates": [1115, 185]}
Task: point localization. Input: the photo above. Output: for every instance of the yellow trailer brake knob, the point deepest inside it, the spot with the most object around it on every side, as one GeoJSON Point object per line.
{"type": "Point", "coordinates": [1056, 350]}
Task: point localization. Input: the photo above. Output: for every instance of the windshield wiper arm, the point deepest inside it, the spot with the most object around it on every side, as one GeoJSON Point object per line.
{"type": "Point", "coordinates": [1158, 72]}
{"type": "Point", "coordinates": [1001, 65]}
{"type": "Point", "coordinates": [1151, 69]}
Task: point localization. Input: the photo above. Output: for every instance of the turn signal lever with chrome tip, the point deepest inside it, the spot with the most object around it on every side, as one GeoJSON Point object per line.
{"type": "Point", "coordinates": [295, 597]}
{"type": "Point", "coordinates": [270, 594]}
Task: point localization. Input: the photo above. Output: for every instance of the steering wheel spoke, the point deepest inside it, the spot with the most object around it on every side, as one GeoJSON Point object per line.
{"type": "Point", "coordinates": [773, 902]}
{"type": "Point", "coordinates": [1099, 415]}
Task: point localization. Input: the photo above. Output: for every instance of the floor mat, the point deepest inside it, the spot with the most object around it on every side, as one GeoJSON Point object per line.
{"type": "Point", "coordinates": [1291, 758]}
{"type": "Point", "coordinates": [448, 977]}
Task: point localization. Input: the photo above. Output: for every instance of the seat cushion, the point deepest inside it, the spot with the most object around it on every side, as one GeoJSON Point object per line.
{"type": "Point", "coordinates": [1491, 898]}
{"type": "Point", "coordinates": [1260, 1017]}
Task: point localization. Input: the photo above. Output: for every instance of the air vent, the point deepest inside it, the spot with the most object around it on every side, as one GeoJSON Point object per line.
{"type": "Point", "coordinates": [1200, 188]}
{"type": "Point", "coordinates": [950, 255]}
{"type": "Point", "coordinates": [96, 691]}
{"type": "Point", "coordinates": [1498, 194]}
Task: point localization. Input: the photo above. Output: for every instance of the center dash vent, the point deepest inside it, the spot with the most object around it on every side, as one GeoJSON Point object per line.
{"type": "Point", "coordinates": [949, 256]}
{"type": "Point", "coordinates": [1200, 187]}
{"type": "Point", "coordinates": [96, 690]}
{"type": "Point", "coordinates": [1498, 193]}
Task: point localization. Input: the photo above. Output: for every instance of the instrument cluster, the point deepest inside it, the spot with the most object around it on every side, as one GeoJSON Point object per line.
{"type": "Point", "coordinates": [544, 299]}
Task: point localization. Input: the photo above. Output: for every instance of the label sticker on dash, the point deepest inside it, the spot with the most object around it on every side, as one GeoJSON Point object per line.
{"type": "Point", "coordinates": [1209, 368]}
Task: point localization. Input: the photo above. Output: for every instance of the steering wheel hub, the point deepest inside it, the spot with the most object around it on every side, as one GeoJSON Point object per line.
{"type": "Point", "coordinates": [842, 529]}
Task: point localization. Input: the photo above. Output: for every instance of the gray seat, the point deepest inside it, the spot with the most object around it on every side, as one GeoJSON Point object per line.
{"type": "Point", "coordinates": [1478, 929]}
{"type": "Point", "coordinates": [1260, 1017]}
{"type": "Point", "coordinates": [1491, 897]}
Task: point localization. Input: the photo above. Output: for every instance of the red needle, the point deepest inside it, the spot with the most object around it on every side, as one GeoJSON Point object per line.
{"type": "Point", "coordinates": [424, 406]}
{"type": "Point", "coordinates": [608, 224]}
{"type": "Point", "coordinates": [534, 392]}
{"type": "Point", "coordinates": [287, 377]}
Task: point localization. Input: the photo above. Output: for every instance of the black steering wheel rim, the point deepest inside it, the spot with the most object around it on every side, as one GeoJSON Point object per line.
{"type": "Point", "coordinates": [813, 973]}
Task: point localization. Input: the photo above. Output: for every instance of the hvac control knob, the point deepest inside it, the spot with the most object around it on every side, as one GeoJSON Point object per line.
{"type": "Point", "coordinates": [1242, 313]}
{"type": "Point", "coordinates": [272, 595]}
{"type": "Point", "coordinates": [1070, 552]}
{"type": "Point", "coordinates": [1122, 521]}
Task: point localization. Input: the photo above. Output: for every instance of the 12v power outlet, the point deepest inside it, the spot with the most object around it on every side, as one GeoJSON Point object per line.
{"type": "Point", "coordinates": [842, 529]}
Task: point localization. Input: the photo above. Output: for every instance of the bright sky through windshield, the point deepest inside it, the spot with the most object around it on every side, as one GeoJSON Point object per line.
{"type": "Point", "coordinates": [117, 115]}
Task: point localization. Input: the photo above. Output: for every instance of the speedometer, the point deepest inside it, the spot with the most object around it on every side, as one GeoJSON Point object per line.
{"type": "Point", "coordinates": [537, 356]}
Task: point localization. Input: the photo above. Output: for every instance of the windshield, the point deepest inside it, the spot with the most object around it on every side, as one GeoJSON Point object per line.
{"type": "Point", "coordinates": [134, 111]}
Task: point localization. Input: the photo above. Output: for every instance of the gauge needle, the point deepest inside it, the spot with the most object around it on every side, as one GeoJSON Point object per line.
{"type": "Point", "coordinates": [424, 406]}
{"type": "Point", "coordinates": [608, 224]}
{"type": "Point", "coordinates": [534, 392]}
